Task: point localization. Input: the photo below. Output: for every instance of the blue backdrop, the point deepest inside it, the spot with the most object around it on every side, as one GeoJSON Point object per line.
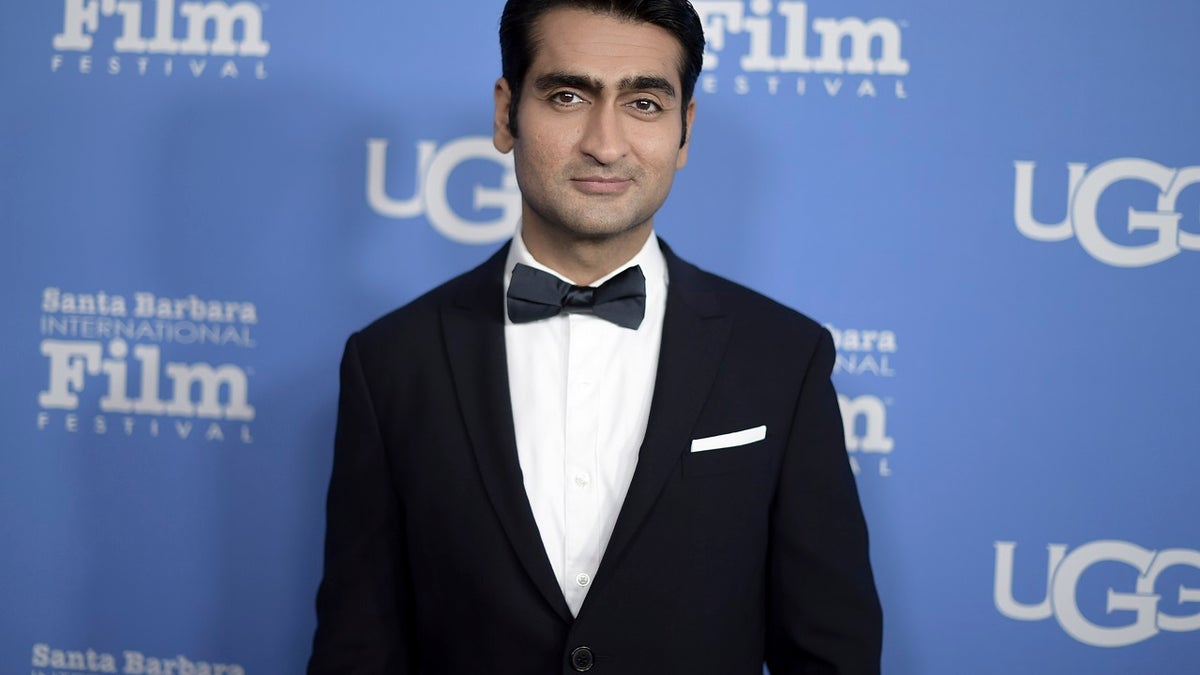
{"type": "Point", "coordinates": [995, 207]}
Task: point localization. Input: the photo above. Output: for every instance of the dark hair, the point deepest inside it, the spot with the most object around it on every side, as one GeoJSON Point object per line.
{"type": "Point", "coordinates": [677, 17]}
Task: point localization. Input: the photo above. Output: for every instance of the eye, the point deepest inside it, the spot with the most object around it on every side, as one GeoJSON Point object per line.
{"type": "Point", "coordinates": [565, 98]}
{"type": "Point", "coordinates": [645, 105]}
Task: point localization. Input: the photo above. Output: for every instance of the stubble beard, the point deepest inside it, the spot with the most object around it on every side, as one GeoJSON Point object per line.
{"type": "Point", "coordinates": [589, 219]}
{"type": "Point", "coordinates": [592, 225]}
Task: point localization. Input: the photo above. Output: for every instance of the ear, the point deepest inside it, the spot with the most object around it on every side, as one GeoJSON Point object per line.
{"type": "Point", "coordinates": [502, 136]}
{"type": "Point", "coordinates": [690, 116]}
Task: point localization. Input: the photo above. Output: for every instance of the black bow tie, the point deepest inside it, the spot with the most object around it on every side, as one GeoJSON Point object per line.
{"type": "Point", "coordinates": [534, 294]}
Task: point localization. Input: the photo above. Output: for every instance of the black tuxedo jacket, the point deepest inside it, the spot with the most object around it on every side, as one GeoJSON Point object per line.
{"type": "Point", "coordinates": [719, 560]}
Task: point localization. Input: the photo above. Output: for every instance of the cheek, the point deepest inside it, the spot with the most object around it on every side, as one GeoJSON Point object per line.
{"type": "Point", "coordinates": [655, 145]}
{"type": "Point", "coordinates": [664, 155]}
{"type": "Point", "coordinates": [544, 154]}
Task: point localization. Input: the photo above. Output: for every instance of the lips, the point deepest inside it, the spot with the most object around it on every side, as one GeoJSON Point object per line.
{"type": "Point", "coordinates": [601, 185]}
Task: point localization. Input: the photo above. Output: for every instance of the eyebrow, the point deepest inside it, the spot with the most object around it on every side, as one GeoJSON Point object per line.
{"type": "Point", "coordinates": [590, 84]}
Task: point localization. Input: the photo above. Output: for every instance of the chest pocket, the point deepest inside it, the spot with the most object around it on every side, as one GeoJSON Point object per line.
{"type": "Point", "coordinates": [737, 451]}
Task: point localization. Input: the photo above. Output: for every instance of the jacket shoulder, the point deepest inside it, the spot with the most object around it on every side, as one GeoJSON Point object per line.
{"type": "Point", "coordinates": [415, 323]}
{"type": "Point", "coordinates": [749, 308]}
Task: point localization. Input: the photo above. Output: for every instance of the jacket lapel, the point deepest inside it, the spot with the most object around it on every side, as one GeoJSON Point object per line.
{"type": "Point", "coordinates": [474, 333]}
{"type": "Point", "coordinates": [694, 336]}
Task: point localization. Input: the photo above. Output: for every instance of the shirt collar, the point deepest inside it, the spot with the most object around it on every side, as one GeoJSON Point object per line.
{"type": "Point", "coordinates": [649, 257]}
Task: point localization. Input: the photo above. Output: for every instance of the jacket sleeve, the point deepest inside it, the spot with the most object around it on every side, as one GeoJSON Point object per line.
{"type": "Point", "coordinates": [823, 610]}
{"type": "Point", "coordinates": [363, 617]}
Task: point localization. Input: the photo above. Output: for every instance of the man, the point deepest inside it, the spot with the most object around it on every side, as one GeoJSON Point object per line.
{"type": "Point", "coordinates": [587, 454]}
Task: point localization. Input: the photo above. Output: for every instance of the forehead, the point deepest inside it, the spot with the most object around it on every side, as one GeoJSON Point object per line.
{"type": "Point", "coordinates": [602, 46]}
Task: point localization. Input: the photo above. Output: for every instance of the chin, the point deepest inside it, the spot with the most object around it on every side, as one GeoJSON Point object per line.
{"type": "Point", "coordinates": [604, 229]}
{"type": "Point", "coordinates": [603, 232]}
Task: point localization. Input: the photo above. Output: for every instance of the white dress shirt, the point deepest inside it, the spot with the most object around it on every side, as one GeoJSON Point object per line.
{"type": "Point", "coordinates": [581, 389]}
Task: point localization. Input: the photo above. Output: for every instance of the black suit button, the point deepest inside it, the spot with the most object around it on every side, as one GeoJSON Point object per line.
{"type": "Point", "coordinates": [582, 659]}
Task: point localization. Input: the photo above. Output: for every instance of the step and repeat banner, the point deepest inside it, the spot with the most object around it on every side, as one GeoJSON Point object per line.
{"type": "Point", "coordinates": [994, 208]}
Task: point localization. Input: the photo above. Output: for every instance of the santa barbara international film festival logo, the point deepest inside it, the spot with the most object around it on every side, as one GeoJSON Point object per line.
{"type": "Point", "coordinates": [113, 366]}
{"type": "Point", "coordinates": [1107, 610]}
{"type": "Point", "coordinates": [161, 38]}
{"type": "Point", "coordinates": [866, 355]}
{"type": "Point", "coordinates": [790, 48]}
{"type": "Point", "coordinates": [465, 188]}
{"type": "Point", "coordinates": [50, 660]}
{"type": "Point", "coordinates": [1147, 237]}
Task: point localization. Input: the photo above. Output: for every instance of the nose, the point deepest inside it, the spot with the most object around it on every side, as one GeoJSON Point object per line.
{"type": "Point", "coordinates": [603, 136]}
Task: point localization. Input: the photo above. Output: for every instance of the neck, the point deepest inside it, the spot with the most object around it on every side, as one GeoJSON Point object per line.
{"type": "Point", "coordinates": [583, 260]}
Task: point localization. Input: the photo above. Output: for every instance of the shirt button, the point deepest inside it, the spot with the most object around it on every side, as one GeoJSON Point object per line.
{"type": "Point", "coordinates": [583, 579]}
{"type": "Point", "coordinates": [582, 479]}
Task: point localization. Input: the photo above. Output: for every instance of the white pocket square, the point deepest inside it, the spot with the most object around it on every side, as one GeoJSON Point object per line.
{"type": "Point", "coordinates": [730, 440]}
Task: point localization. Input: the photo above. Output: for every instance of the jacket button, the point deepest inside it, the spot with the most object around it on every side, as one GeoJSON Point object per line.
{"type": "Point", "coordinates": [582, 659]}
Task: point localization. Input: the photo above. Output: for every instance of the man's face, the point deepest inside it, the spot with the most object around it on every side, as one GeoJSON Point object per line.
{"type": "Point", "coordinates": [599, 123]}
